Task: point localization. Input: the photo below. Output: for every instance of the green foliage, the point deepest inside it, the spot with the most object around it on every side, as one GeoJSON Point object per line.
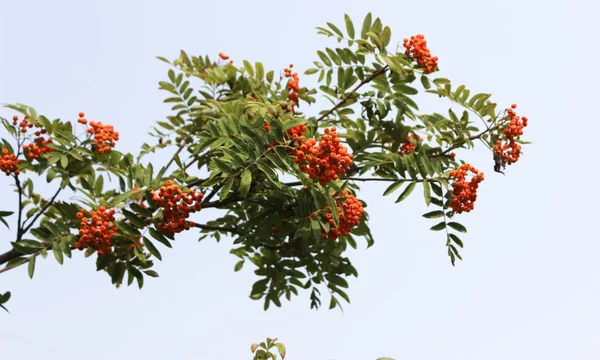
{"type": "Point", "coordinates": [229, 136]}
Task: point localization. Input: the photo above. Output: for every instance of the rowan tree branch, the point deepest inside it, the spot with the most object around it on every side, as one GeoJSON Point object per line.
{"type": "Point", "coordinates": [347, 96]}
{"type": "Point", "coordinates": [33, 220]}
{"type": "Point", "coordinates": [218, 228]}
{"type": "Point", "coordinates": [8, 256]}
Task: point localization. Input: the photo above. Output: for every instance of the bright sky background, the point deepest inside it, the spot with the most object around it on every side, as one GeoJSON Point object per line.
{"type": "Point", "coordinates": [529, 287]}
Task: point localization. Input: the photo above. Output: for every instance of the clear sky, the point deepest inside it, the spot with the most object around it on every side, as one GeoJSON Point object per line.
{"type": "Point", "coordinates": [529, 287]}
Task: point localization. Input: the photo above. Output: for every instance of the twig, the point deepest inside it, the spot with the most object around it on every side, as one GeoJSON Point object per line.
{"type": "Point", "coordinates": [347, 96]}
{"type": "Point", "coordinates": [50, 202]}
{"type": "Point", "coordinates": [20, 190]}
{"type": "Point", "coordinates": [181, 147]}
{"type": "Point", "coordinates": [217, 228]}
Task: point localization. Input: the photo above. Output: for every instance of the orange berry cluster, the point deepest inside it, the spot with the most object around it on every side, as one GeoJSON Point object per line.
{"type": "Point", "coordinates": [349, 214]}
{"type": "Point", "coordinates": [23, 124]}
{"type": "Point", "coordinates": [510, 151]}
{"type": "Point", "coordinates": [293, 85]}
{"type": "Point", "coordinates": [97, 231]}
{"type": "Point", "coordinates": [177, 206]}
{"type": "Point", "coordinates": [407, 147]}
{"type": "Point", "coordinates": [326, 159]}
{"type": "Point", "coordinates": [105, 136]}
{"type": "Point", "coordinates": [418, 46]}
{"type": "Point", "coordinates": [465, 192]}
{"type": "Point", "coordinates": [296, 133]}
{"type": "Point", "coordinates": [9, 163]}
{"type": "Point", "coordinates": [38, 147]}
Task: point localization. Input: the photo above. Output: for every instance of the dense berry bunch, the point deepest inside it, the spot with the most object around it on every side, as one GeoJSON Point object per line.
{"type": "Point", "coordinates": [293, 85]}
{"type": "Point", "coordinates": [510, 151]}
{"type": "Point", "coordinates": [38, 147]}
{"type": "Point", "coordinates": [9, 163]}
{"type": "Point", "coordinates": [97, 230]}
{"type": "Point", "coordinates": [324, 160]}
{"type": "Point", "coordinates": [349, 213]}
{"type": "Point", "coordinates": [465, 192]}
{"type": "Point", "coordinates": [105, 136]}
{"type": "Point", "coordinates": [176, 207]}
{"type": "Point", "coordinates": [418, 46]}
{"type": "Point", "coordinates": [407, 147]}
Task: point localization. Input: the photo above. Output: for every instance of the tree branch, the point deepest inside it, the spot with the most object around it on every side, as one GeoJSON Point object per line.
{"type": "Point", "coordinates": [456, 146]}
{"type": "Point", "coordinates": [50, 202]}
{"type": "Point", "coordinates": [217, 228]}
{"type": "Point", "coordinates": [181, 147]}
{"type": "Point", "coordinates": [347, 96]}
{"type": "Point", "coordinates": [20, 190]}
{"type": "Point", "coordinates": [8, 256]}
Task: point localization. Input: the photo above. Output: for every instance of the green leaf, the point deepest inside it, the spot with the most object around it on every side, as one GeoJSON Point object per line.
{"type": "Point", "coordinates": [311, 71]}
{"type": "Point", "coordinates": [335, 29]}
{"type": "Point", "coordinates": [159, 237]}
{"type": "Point", "coordinates": [238, 265]}
{"type": "Point", "coordinates": [439, 226]}
{"type": "Point", "coordinates": [434, 214]}
{"type": "Point", "coordinates": [260, 70]}
{"type": "Point", "coordinates": [366, 26]}
{"type": "Point", "coordinates": [458, 227]}
{"type": "Point", "coordinates": [386, 36]}
{"type": "Point", "coordinates": [31, 266]}
{"type": "Point", "coordinates": [152, 249]}
{"type": "Point", "coordinates": [427, 192]}
{"type": "Point", "coordinates": [246, 181]}
{"type": "Point", "coordinates": [281, 349]}
{"type": "Point", "coordinates": [349, 26]}
{"type": "Point", "coordinates": [135, 220]}
{"type": "Point", "coordinates": [141, 210]}
{"type": "Point", "coordinates": [324, 58]}
{"type": "Point", "coordinates": [64, 161]}
{"type": "Point", "coordinates": [57, 253]}
{"type": "Point", "coordinates": [456, 240]}
{"type": "Point", "coordinates": [393, 187]}
{"type": "Point", "coordinates": [225, 189]}
{"type": "Point", "coordinates": [151, 273]}
{"type": "Point", "coordinates": [409, 189]}
{"type": "Point", "coordinates": [425, 82]}
{"type": "Point", "coordinates": [248, 67]}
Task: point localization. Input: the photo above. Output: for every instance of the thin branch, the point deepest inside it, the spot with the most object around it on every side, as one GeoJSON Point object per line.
{"type": "Point", "coordinates": [214, 192]}
{"type": "Point", "coordinates": [347, 96]}
{"type": "Point", "coordinates": [456, 146]}
{"type": "Point", "coordinates": [20, 230]}
{"type": "Point", "coordinates": [217, 203]}
{"type": "Point", "coordinates": [8, 256]}
{"type": "Point", "coordinates": [181, 147]}
{"type": "Point", "coordinates": [218, 228]}
{"type": "Point", "coordinates": [50, 202]}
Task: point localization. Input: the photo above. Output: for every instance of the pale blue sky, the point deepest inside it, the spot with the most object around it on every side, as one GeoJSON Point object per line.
{"type": "Point", "coordinates": [529, 287]}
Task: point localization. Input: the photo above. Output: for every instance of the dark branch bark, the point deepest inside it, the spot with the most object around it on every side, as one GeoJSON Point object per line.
{"type": "Point", "coordinates": [345, 98]}
{"type": "Point", "coordinates": [218, 228]}
{"type": "Point", "coordinates": [8, 256]}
